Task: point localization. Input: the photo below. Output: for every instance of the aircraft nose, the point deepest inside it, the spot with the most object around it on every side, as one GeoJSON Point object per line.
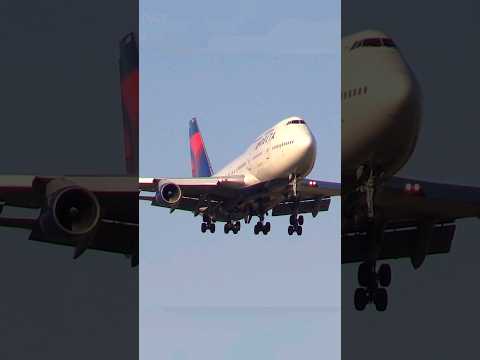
{"type": "Point", "coordinates": [308, 145]}
{"type": "Point", "coordinates": [400, 91]}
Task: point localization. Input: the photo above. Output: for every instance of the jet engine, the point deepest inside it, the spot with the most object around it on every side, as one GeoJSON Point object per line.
{"type": "Point", "coordinates": [71, 213]}
{"type": "Point", "coordinates": [169, 193]}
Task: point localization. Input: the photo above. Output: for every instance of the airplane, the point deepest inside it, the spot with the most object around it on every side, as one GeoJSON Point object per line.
{"type": "Point", "coordinates": [96, 212]}
{"type": "Point", "coordinates": [385, 216]}
{"type": "Point", "coordinates": [271, 175]}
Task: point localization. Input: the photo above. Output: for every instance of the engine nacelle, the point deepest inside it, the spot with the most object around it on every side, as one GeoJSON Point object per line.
{"type": "Point", "coordinates": [420, 247]}
{"type": "Point", "coordinates": [71, 212]}
{"type": "Point", "coordinates": [169, 193]}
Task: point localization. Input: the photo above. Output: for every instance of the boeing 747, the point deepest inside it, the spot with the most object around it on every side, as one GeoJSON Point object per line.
{"type": "Point", "coordinates": [384, 216]}
{"type": "Point", "coordinates": [271, 175]}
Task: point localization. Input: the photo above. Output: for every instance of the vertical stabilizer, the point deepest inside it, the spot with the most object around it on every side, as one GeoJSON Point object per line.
{"type": "Point", "coordinates": [129, 77]}
{"type": "Point", "coordinates": [200, 163]}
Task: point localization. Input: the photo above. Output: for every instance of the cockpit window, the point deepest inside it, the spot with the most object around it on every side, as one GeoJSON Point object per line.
{"type": "Point", "coordinates": [374, 42]}
{"type": "Point", "coordinates": [388, 42]}
{"type": "Point", "coordinates": [295, 122]}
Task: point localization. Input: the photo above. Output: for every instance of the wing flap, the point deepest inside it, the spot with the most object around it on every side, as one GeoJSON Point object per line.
{"type": "Point", "coordinates": [111, 236]}
{"type": "Point", "coordinates": [397, 243]}
{"type": "Point", "coordinates": [302, 207]}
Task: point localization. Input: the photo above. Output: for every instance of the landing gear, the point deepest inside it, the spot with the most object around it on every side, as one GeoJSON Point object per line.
{"type": "Point", "coordinates": [367, 180]}
{"type": "Point", "coordinates": [234, 227]}
{"type": "Point", "coordinates": [260, 227]}
{"type": "Point", "coordinates": [296, 223]}
{"type": "Point", "coordinates": [373, 286]}
{"type": "Point", "coordinates": [207, 224]}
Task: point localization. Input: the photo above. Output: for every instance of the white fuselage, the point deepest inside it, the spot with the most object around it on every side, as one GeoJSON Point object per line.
{"type": "Point", "coordinates": [288, 148]}
{"type": "Point", "coordinates": [381, 106]}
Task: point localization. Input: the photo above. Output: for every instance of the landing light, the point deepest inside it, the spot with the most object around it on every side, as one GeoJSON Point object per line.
{"type": "Point", "coordinates": [413, 188]}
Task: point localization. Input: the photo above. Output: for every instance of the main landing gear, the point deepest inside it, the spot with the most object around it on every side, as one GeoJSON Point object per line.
{"type": "Point", "coordinates": [373, 286]}
{"type": "Point", "coordinates": [234, 227]}
{"type": "Point", "coordinates": [296, 223]}
{"type": "Point", "coordinates": [260, 227]}
{"type": "Point", "coordinates": [207, 224]}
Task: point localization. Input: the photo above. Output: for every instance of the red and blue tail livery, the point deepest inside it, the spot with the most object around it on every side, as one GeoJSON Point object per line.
{"type": "Point", "coordinates": [129, 79]}
{"type": "Point", "coordinates": [200, 163]}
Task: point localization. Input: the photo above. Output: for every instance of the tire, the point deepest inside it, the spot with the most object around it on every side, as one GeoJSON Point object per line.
{"type": "Point", "coordinates": [226, 228]}
{"type": "Point", "coordinates": [293, 220]}
{"type": "Point", "coordinates": [300, 220]}
{"type": "Point", "coordinates": [360, 299]}
{"type": "Point", "coordinates": [380, 298]}
{"type": "Point", "coordinates": [363, 275]}
{"type": "Point", "coordinates": [268, 226]}
{"type": "Point", "coordinates": [256, 229]}
{"type": "Point", "coordinates": [299, 230]}
{"type": "Point", "coordinates": [212, 228]}
{"type": "Point", "coordinates": [385, 275]}
{"type": "Point", "coordinates": [290, 230]}
{"type": "Point", "coordinates": [237, 226]}
{"type": "Point", "coordinates": [203, 227]}
{"type": "Point", "coordinates": [235, 231]}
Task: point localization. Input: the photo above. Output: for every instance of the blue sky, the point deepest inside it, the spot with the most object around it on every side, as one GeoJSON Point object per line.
{"type": "Point", "coordinates": [239, 68]}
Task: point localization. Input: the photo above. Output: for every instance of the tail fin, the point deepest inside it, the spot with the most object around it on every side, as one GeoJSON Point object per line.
{"type": "Point", "coordinates": [200, 163]}
{"type": "Point", "coordinates": [129, 84]}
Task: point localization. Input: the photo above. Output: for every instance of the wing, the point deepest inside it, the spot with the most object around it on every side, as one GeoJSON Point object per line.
{"type": "Point", "coordinates": [105, 216]}
{"type": "Point", "coordinates": [313, 196]}
{"type": "Point", "coordinates": [192, 192]}
{"type": "Point", "coordinates": [195, 193]}
{"type": "Point", "coordinates": [419, 217]}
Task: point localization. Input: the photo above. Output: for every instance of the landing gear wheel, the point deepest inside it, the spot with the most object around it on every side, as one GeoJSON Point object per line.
{"type": "Point", "coordinates": [257, 228]}
{"type": "Point", "coordinates": [300, 220]}
{"type": "Point", "coordinates": [360, 299]}
{"type": "Point", "coordinates": [364, 274]}
{"type": "Point", "coordinates": [268, 226]}
{"type": "Point", "coordinates": [293, 220]}
{"type": "Point", "coordinates": [384, 275]}
{"type": "Point", "coordinates": [212, 228]}
{"type": "Point", "coordinates": [226, 228]}
{"type": "Point", "coordinates": [236, 227]}
{"type": "Point", "coordinates": [299, 230]}
{"type": "Point", "coordinates": [380, 299]}
{"type": "Point", "coordinates": [290, 230]}
{"type": "Point", "coordinates": [204, 227]}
